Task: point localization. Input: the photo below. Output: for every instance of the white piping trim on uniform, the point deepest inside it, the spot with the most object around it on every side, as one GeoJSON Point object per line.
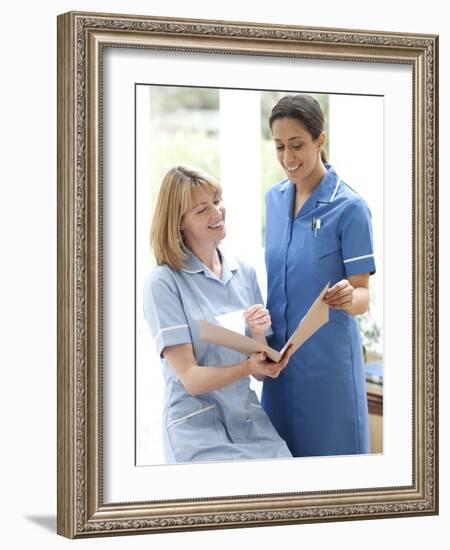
{"type": "Point", "coordinates": [335, 190]}
{"type": "Point", "coordinates": [358, 258]}
{"type": "Point", "coordinates": [254, 405]}
{"type": "Point", "coordinates": [170, 328]}
{"type": "Point", "coordinates": [195, 413]}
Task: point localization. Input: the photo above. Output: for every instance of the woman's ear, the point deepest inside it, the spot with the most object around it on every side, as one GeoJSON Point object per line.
{"type": "Point", "coordinates": [321, 140]}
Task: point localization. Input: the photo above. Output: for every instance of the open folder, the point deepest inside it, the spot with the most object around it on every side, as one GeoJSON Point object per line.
{"type": "Point", "coordinates": [317, 316]}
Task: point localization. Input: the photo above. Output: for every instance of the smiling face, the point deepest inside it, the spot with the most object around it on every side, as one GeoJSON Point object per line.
{"type": "Point", "coordinates": [204, 223]}
{"type": "Point", "coordinates": [297, 151]}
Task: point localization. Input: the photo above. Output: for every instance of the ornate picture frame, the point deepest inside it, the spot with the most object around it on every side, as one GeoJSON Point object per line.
{"type": "Point", "coordinates": [82, 40]}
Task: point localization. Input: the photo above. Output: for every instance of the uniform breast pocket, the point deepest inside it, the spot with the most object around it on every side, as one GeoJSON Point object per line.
{"type": "Point", "coordinates": [325, 242]}
{"type": "Point", "coordinates": [328, 255]}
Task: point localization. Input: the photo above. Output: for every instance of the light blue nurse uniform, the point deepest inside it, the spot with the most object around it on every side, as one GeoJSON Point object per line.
{"type": "Point", "coordinates": [224, 424]}
{"type": "Point", "coordinates": [318, 404]}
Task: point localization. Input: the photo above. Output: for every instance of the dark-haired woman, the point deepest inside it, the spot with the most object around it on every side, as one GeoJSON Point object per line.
{"type": "Point", "coordinates": [318, 231]}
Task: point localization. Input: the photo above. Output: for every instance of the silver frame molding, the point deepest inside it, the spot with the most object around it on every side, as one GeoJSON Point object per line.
{"type": "Point", "coordinates": [81, 37]}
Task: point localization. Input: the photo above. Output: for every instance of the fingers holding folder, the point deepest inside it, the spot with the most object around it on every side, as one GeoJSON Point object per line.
{"type": "Point", "coordinates": [316, 317]}
{"type": "Point", "coordinates": [260, 365]}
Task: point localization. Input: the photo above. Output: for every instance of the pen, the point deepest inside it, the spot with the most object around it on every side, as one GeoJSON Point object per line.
{"type": "Point", "coordinates": [316, 225]}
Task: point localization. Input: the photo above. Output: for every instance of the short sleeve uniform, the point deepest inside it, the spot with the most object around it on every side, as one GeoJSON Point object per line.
{"type": "Point", "coordinates": [228, 423]}
{"type": "Point", "coordinates": [318, 404]}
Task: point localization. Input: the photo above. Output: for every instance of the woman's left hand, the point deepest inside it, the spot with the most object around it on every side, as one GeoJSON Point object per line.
{"type": "Point", "coordinates": [258, 319]}
{"type": "Point", "coordinates": [340, 296]}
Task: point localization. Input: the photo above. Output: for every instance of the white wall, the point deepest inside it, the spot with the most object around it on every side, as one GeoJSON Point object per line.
{"type": "Point", "coordinates": [28, 274]}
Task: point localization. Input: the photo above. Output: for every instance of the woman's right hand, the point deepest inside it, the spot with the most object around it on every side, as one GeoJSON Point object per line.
{"type": "Point", "coordinates": [260, 367]}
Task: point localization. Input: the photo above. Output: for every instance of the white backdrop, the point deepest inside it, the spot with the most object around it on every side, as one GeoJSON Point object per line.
{"type": "Point", "coordinates": [28, 277]}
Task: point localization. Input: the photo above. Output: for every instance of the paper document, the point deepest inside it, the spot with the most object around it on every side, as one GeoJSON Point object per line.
{"type": "Point", "coordinates": [233, 321]}
{"type": "Point", "coordinates": [317, 316]}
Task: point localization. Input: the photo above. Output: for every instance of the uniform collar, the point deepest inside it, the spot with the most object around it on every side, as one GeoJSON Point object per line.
{"type": "Point", "coordinates": [329, 185]}
{"type": "Point", "coordinates": [194, 265]}
{"type": "Point", "coordinates": [325, 192]}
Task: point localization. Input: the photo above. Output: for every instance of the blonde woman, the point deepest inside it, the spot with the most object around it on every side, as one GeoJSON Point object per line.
{"type": "Point", "coordinates": [210, 412]}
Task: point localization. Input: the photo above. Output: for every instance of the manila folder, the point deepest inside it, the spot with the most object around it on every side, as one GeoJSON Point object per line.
{"type": "Point", "coordinates": [316, 317]}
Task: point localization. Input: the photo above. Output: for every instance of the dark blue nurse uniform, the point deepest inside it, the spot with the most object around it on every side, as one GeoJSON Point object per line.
{"type": "Point", "coordinates": [318, 404]}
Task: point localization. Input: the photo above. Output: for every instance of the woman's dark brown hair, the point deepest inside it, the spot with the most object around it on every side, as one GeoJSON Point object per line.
{"type": "Point", "coordinates": [303, 108]}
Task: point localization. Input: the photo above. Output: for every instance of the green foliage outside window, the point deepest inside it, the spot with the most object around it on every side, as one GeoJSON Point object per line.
{"type": "Point", "coordinates": [186, 123]}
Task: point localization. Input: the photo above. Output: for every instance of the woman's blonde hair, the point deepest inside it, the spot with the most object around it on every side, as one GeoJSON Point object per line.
{"type": "Point", "coordinates": [176, 196]}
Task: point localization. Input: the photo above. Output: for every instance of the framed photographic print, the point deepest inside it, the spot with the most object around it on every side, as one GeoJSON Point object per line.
{"type": "Point", "coordinates": [138, 96]}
